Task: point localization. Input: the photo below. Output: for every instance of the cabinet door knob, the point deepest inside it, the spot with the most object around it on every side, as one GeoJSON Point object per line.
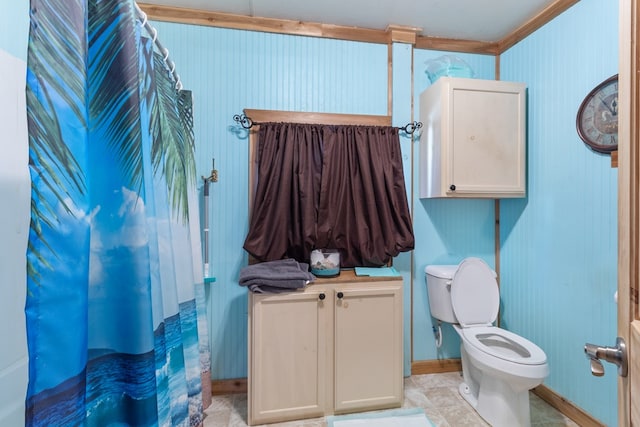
{"type": "Point", "coordinates": [452, 187]}
{"type": "Point", "coordinates": [340, 295]}
{"type": "Point", "coordinates": [321, 297]}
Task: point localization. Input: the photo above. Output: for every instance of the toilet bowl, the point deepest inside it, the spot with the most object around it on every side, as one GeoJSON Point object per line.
{"type": "Point", "coordinates": [499, 367]}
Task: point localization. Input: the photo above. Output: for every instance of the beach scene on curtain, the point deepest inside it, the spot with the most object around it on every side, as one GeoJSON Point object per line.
{"type": "Point", "coordinates": [112, 260]}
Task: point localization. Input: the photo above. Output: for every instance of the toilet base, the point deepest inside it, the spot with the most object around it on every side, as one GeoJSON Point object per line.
{"type": "Point", "coordinates": [498, 404]}
{"type": "Point", "coordinates": [494, 399]}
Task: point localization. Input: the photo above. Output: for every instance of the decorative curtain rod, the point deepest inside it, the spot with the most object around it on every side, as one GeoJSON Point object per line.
{"type": "Point", "coordinates": [165, 52]}
{"type": "Point", "coordinates": [247, 123]}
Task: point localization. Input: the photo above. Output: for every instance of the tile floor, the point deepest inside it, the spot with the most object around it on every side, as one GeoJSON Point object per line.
{"type": "Point", "coordinates": [436, 393]}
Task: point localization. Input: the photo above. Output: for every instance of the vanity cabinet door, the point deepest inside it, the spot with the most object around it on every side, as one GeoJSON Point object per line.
{"type": "Point", "coordinates": [287, 352]}
{"type": "Point", "coordinates": [368, 371]}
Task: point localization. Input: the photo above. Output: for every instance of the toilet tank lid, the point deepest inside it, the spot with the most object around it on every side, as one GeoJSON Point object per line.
{"type": "Point", "coordinates": [441, 271]}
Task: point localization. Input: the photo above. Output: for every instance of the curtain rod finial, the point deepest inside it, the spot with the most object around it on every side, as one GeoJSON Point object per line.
{"type": "Point", "coordinates": [411, 127]}
{"type": "Point", "coordinates": [243, 120]}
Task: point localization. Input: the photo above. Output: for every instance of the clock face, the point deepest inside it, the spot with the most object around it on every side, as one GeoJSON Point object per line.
{"type": "Point", "coordinates": [597, 120]}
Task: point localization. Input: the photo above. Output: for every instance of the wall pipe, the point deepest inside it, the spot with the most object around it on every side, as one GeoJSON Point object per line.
{"type": "Point", "coordinates": [213, 177]}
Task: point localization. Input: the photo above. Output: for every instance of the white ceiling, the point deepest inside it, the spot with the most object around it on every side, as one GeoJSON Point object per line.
{"type": "Point", "coordinates": [481, 20]}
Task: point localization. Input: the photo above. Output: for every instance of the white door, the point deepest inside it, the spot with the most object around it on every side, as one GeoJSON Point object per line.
{"type": "Point", "coordinates": [15, 193]}
{"type": "Point", "coordinates": [629, 213]}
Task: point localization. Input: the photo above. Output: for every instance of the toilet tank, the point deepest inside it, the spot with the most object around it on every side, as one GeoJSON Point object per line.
{"type": "Point", "coordinates": [438, 278]}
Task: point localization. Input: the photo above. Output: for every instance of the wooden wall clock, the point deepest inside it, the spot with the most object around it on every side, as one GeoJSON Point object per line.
{"type": "Point", "coordinates": [597, 119]}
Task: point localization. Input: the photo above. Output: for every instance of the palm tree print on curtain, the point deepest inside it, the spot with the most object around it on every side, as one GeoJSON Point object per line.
{"type": "Point", "coordinates": [115, 326]}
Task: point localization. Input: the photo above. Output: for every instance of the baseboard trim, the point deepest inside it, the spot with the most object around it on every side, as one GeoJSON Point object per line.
{"type": "Point", "coordinates": [232, 386]}
{"type": "Point", "coordinates": [437, 366]}
{"type": "Point", "coordinates": [421, 367]}
{"type": "Point", "coordinates": [566, 407]}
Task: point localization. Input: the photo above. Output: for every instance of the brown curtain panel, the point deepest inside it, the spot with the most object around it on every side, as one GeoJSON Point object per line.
{"type": "Point", "coordinates": [332, 187]}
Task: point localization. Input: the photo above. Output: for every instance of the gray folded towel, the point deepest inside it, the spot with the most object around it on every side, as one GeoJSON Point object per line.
{"type": "Point", "coordinates": [266, 289]}
{"type": "Point", "coordinates": [276, 276]}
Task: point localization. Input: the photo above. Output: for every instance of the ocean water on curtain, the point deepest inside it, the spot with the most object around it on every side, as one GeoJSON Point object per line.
{"type": "Point", "coordinates": [140, 394]}
{"type": "Point", "coordinates": [172, 372]}
{"type": "Point", "coordinates": [107, 392]}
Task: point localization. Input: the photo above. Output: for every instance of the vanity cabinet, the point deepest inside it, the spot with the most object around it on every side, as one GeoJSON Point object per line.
{"type": "Point", "coordinates": [332, 348]}
{"type": "Point", "coordinates": [473, 141]}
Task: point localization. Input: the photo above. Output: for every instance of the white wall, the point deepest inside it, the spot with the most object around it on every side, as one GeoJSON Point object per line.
{"type": "Point", "coordinates": [15, 196]}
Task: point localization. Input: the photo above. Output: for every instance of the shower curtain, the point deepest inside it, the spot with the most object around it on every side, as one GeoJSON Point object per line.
{"type": "Point", "coordinates": [115, 321]}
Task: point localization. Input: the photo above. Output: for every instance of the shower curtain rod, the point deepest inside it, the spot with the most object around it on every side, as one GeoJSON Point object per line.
{"type": "Point", "coordinates": [165, 52]}
{"type": "Point", "coordinates": [247, 123]}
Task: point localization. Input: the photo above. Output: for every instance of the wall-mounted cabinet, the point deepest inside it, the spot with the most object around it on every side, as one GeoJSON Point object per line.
{"type": "Point", "coordinates": [330, 349]}
{"type": "Point", "coordinates": [473, 141]}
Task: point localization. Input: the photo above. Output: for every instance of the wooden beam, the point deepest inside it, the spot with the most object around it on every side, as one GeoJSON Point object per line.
{"type": "Point", "coordinates": [261, 116]}
{"type": "Point", "coordinates": [312, 29]}
{"type": "Point", "coordinates": [402, 34]}
{"type": "Point", "coordinates": [267, 25]}
{"type": "Point", "coordinates": [457, 45]}
{"type": "Point", "coordinates": [533, 24]}
{"type": "Point", "coordinates": [342, 32]}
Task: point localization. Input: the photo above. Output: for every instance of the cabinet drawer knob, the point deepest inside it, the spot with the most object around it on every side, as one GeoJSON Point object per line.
{"type": "Point", "coordinates": [452, 187]}
{"type": "Point", "coordinates": [321, 297]}
{"type": "Point", "coordinates": [340, 295]}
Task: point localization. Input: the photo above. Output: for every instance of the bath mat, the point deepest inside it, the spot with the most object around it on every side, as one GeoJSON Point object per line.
{"type": "Point", "coordinates": [394, 418]}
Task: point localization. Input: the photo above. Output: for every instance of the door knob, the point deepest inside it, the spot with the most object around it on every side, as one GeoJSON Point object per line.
{"type": "Point", "coordinates": [616, 355]}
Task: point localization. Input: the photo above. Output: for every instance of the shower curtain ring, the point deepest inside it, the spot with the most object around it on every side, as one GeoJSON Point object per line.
{"type": "Point", "coordinates": [144, 18]}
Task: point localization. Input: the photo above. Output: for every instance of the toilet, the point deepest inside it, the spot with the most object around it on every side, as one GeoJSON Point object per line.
{"type": "Point", "coordinates": [498, 367]}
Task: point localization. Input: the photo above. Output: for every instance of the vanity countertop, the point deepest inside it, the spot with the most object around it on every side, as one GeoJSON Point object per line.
{"type": "Point", "coordinates": [349, 275]}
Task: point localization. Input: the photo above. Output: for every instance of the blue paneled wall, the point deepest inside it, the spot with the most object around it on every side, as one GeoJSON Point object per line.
{"type": "Point", "coordinates": [559, 245]}
{"type": "Point", "coordinates": [14, 28]}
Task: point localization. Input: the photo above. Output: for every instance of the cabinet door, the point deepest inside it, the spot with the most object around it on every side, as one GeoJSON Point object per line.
{"type": "Point", "coordinates": [368, 347]}
{"type": "Point", "coordinates": [487, 141]}
{"type": "Point", "coordinates": [287, 366]}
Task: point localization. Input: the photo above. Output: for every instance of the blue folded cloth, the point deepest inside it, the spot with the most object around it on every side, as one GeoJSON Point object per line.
{"type": "Point", "coordinates": [276, 276]}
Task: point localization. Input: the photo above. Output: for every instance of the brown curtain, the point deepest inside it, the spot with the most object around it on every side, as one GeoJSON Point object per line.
{"type": "Point", "coordinates": [334, 187]}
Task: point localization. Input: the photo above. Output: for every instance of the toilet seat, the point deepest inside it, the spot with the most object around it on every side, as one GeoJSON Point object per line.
{"type": "Point", "coordinates": [476, 299]}
{"type": "Point", "coordinates": [474, 293]}
{"type": "Point", "coordinates": [504, 345]}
